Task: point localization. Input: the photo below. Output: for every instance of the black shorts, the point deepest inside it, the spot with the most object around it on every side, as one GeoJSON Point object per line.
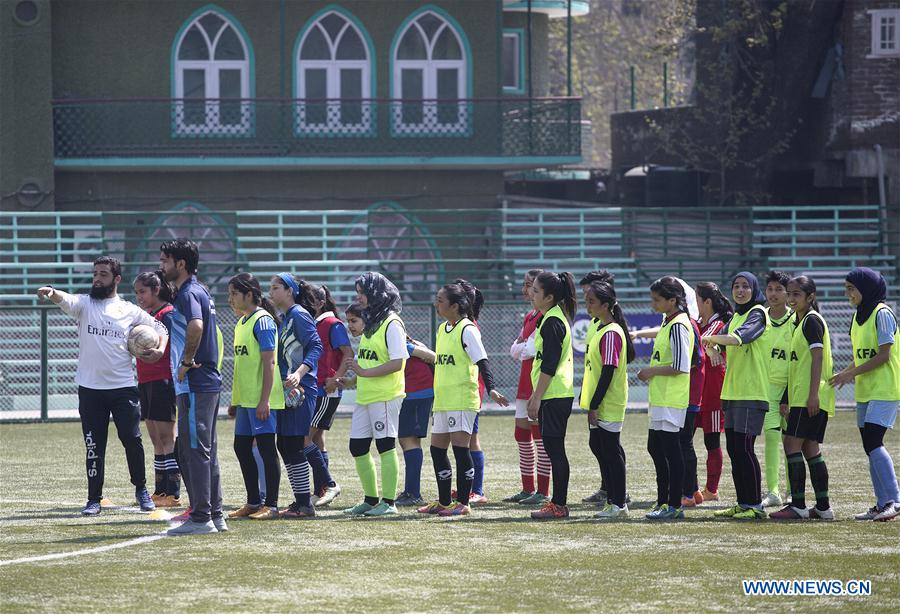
{"type": "Point", "coordinates": [553, 416]}
{"type": "Point", "coordinates": [325, 409]}
{"type": "Point", "coordinates": [157, 400]}
{"type": "Point", "coordinates": [801, 426]}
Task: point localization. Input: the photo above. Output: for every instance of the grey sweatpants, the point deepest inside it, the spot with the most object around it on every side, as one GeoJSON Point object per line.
{"type": "Point", "coordinates": [198, 452]}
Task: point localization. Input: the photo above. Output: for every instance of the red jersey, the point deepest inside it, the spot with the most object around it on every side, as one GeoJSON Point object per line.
{"type": "Point", "coordinates": [698, 372]}
{"type": "Point", "coordinates": [528, 327]}
{"type": "Point", "coordinates": [330, 359]}
{"type": "Point", "coordinates": [714, 376]}
{"type": "Point", "coordinates": [161, 369]}
{"type": "Point", "coordinates": [418, 374]}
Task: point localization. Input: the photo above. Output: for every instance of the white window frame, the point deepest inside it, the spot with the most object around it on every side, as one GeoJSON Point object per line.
{"type": "Point", "coordinates": [430, 126]}
{"type": "Point", "coordinates": [333, 67]}
{"type": "Point", "coordinates": [211, 67]}
{"type": "Point", "coordinates": [519, 37]}
{"type": "Point", "coordinates": [877, 16]}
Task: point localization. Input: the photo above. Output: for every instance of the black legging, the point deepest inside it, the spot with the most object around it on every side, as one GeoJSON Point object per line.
{"type": "Point", "coordinates": [665, 450]}
{"type": "Point", "coordinates": [606, 447]}
{"type": "Point", "coordinates": [559, 463]}
{"type": "Point", "coordinates": [745, 469]}
{"type": "Point", "coordinates": [872, 436]}
{"type": "Point", "coordinates": [686, 439]}
{"type": "Point", "coordinates": [243, 448]}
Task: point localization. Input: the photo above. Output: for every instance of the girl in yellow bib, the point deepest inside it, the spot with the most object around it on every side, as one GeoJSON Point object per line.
{"type": "Point", "coordinates": [604, 390]}
{"type": "Point", "coordinates": [380, 389]}
{"type": "Point", "coordinates": [875, 373]}
{"type": "Point", "coordinates": [460, 359]}
{"type": "Point", "coordinates": [669, 377]}
{"type": "Point", "coordinates": [256, 392]}
{"type": "Point", "coordinates": [552, 374]}
{"type": "Point", "coordinates": [811, 402]}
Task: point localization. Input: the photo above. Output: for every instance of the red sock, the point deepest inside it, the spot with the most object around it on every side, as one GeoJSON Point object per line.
{"type": "Point", "coordinates": [526, 458]}
{"type": "Point", "coordinates": [713, 469]}
{"type": "Point", "coordinates": [543, 462]}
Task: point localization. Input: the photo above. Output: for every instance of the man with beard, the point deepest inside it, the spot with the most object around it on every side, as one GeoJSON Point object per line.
{"type": "Point", "coordinates": [105, 375]}
{"type": "Point", "coordinates": [195, 356]}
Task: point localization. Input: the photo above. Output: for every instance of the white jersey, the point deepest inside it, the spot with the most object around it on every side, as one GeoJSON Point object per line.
{"type": "Point", "coordinates": [103, 326]}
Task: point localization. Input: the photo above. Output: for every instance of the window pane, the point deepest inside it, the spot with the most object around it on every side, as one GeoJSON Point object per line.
{"type": "Point", "coordinates": [446, 47]}
{"type": "Point", "coordinates": [195, 88]}
{"type": "Point", "coordinates": [316, 80]}
{"type": "Point", "coordinates": [333, 24]}
{"type": "Point", "coordinates": [351, 46]}
{"type": "Point", "coordinates": [351, 90]}
{"type": "Point", "coordinates": [430, 24]}
{"type": "Point", "coordinates": [411, 89]}
{"type": "Point", "coordinates": [229, 46]}
{"type": "Point", "coordinates": [315, 47]}
{"type": "Point", "coordinates": [230, 87]}
{"type": "Point", "coordinates": [447, 89]}
{"type": "Point", "coordinates": [411, 46]}
{"type": "Point", "coordinates": [193, 46]}
{"type": "Point", "coordinates": [212, 23]}
{"type": "Point", "coordinates": [511, 61]}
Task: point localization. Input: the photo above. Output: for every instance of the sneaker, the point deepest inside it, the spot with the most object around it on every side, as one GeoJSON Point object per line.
{"type": "Point", "coordinates": [517, 498]}
{"type": "Point", "coordinates": [789, 512]}
{"type": "Point", "coordinates": [168, 501]}
{"type": "Point", "coordinates": [435, 507]}
{"type": "Point", "coordinates": [688, 502]}
{"type": "Point", "coordinates": [144, 500]}
{"type": "Point", "coordinates": [457, 510]}
{"type": "Point", "coordinates": [657, 512]}
{"type": "Point", "coordinates": [817, 514]}
{"type": "Point", "coordinates": [728, 513]}
{"type": "Point", "coordinates": [751, 513]}
{"type": "Point", "coordinates": [382, 509]}
{"type": "Point", "coordinates": [407, 500]}
{"type": "Point", "coordinates": [91, 509]}
{"type": "Point", "coordinates": [772, 500]}
{"type": "Point", "coordinates": [220, 524]}
{"type": "Point", "coordinates": [551, 511]}
{"type": "Point", "coordinates": [611, 510]}
{"type": "Point", "coordinates": [295, 510]}
{"type": "Point", "coordinates": [627, 499]}
{"type": "Point", "coordinates": [190, 527]}
{"type": "Point", "coordinates": [104, 502]}
{"type": "Point", "coordinates": [328, 494]}
{"type": "Point", "coordinates": [709, 495]}
{"type": "Point", "coordinates": [537, 498]}
{"type": "Point", "coordinates": [244, 511]}
{"type": "Point", "coordinates": [476, 500]}
{"type": "Point", "coordinates": [183, 515]}
{"type": "Point", "coordinates": [599, 496]}
{"type": "Point", "coordinates": [698, 497]}
{"type": "Point", "coordinates": [889, 511]}
{"type": "Point", "coordinates": [265, 513]}
{"type": "Point", "coordinates": [155, 497]}
{"type": "Point", "coordinates": [869, 514]}
{"type": "Point", "coordinates": [359, 509]}
{"type": "Point", "coordinates": [672, 513]}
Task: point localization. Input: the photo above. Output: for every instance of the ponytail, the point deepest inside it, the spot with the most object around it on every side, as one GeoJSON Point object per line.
{"type": "Point", "coordinates": [245, 283]}
{"type": "Point", "coordinates": [720, 304]}
{"type": "Point", "coordinates": [562, 287]}
{"type": "Point", "coordinates": [476, 299]}
{"type": "Point", "coordinates": [606, 294]}
{"type": "Point", "coordinates": [322, 293]}
{"type": "Point", "coordinates": [669, 287]}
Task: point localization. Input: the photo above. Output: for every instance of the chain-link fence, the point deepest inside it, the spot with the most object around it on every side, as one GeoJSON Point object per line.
{"type": "Point", "coordinates": [37, 368]}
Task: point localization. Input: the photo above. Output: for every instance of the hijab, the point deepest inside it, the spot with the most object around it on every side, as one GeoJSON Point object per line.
{"type": "Point", "coordinates": [756, 295]}
{"type": "Point", "coordinates": [873, 289]}
{"type": "Point", "coordinates": [383, 299]}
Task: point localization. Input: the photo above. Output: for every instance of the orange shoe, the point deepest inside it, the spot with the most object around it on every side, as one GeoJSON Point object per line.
{"type": "Point", "coordinates": [688, 502]}
{"type": "Point", "coordinates": [167, 501]}
{"type": "Point", "coordinates": [245, 511]}
{"type": "Point", "coordinates": [265, 513]}
{"type": "Point", "coordinates": [698, 497]}
{"type": "Point", "coordinates": [551, 511]}
{"type": "Point", "coordinates": [709, 496]}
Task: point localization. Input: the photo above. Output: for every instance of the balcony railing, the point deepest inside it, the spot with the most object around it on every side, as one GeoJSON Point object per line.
{"type": "Point", "coordinates": [302, 128]}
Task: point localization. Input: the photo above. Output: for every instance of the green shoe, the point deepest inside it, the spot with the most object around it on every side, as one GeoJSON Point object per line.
{"type": "Point", "coordinates": [659, 512]}
{"type": "Point", "coordinates": [728, 513]}
{"type": "Point", "coordinates": [535, 499]}
{"type": "Point", "coordinates": [359, 509]}
{"type": "Point", "coordinates": [750, 513]}
{"type": "Point", "coordinates": [518, 498]}
{"type": "Point", "coordinates": [382, 509]}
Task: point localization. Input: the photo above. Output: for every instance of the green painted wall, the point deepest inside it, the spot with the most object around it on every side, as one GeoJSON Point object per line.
{"type": "Point", "coordinates": [539, 48]}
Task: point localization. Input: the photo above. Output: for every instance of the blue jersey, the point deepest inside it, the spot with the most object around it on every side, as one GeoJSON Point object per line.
{"type": "Point", "coordinates": [192, 302]}
{"type": "Point", "coordinates": [300, 345]}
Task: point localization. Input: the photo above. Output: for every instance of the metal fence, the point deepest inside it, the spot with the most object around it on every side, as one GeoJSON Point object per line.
{"type": "Point", "coordinates": [38, 367]}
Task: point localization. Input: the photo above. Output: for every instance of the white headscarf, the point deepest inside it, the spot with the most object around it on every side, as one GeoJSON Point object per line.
{"type": "Point", "coordinates": [691, 297]}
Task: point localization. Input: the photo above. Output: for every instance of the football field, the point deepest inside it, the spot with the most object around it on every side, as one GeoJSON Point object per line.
{"type": "Point", "coordinates": [497, 559]}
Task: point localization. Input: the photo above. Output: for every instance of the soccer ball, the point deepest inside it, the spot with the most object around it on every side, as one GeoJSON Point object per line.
{"type": "Point", "coordinates": [142, 338]}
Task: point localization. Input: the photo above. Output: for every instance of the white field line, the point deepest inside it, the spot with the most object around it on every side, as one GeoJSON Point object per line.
{"type": "Point", "coordinates": [98, 549]}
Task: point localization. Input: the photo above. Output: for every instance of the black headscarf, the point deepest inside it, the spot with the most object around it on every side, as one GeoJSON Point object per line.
{"type": "Point", "coordinates": [383, 299]}
{"type": "Point", "coordinates": [873, 289]}
{"type": "Point", "coordinates": [757, 297]}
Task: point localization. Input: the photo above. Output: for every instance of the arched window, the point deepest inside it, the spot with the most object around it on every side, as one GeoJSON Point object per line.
{"type": "Point", "coordinates": [430, 77]}
{"type": "Point", "coordinates": [212, 77]}
{"type": "Point", "coordinates": [333, 72]}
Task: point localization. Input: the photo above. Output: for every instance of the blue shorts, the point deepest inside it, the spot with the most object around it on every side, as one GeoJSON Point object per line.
{"type": "Point", "coordinates": [882, 413]}
{"type": "Point", "coordinates": [475, 428]}
{"type": "Point", "coordinates": [246, 423]}
{"type": "Point", "coordinates": [295, 421]}
{"type": "Point", "coordinates": [693, 409]}
{"type": "Point", "coordinates": [414, 417]}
